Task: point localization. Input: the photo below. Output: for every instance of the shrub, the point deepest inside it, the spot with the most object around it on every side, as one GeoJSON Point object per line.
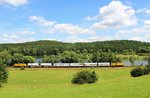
{"type": "Point", "coordinates": [148, 67]}
{"type": "Point", "coordinates": [85, 76]}
{"type": "Point", "coordinates": [22, 68]}
{"type": "Point", "coordinates": [3, 74]}
{"type": "Point", "coordinates": [146, 71]}
{"type": "Point", "coordinates": [136, 72]}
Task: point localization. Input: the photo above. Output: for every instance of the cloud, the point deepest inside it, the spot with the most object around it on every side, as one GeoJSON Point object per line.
{"type": "Point", "coordinates": [10, 36]}
{"type": "Point", "coordinates": [6, 38]}
{"type": "Point", "coordinates": [71, 29]}
{"type": "Point", "coordinates": [90, 39]}
{"type": "Point", "coordinates": [26, 32]}
{"type": "Point", "coordinates": [41, 21]}
{"type": "Point", "coordinates": [144, 38]}
{"type": "Point", "coordinates": [115, 15]}
{"type": "Point", "coordinates": [141, 33]}
{"type": "Point", "coordinates": [13, 2]}
{"type": "Point", "coordinates": [53, 27]}
{"type": "Point", "coordinates": [144, 10]}
{"type": "Point", "coordinates": [139, 30]}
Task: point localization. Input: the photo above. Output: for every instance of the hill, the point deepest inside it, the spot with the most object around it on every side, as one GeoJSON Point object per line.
{"type": "Point", "coordinates": [45, 47]}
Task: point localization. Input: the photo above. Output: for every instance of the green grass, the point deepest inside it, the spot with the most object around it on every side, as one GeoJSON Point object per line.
{"type": "Point", "coordinates": [55, 83]}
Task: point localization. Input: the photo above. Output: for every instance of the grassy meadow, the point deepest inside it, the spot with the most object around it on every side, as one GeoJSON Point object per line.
{"type": "Point", "coordinates": [55, 83]}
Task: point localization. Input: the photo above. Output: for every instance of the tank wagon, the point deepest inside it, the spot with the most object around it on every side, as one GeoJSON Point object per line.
{"type": "Point", "coordinates": [20, 65]}
{"type": "Point", "coordinates": [46, 65]}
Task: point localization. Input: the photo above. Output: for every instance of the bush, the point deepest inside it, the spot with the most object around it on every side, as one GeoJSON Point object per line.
{"type": "Point", "coordinates": [148, 67]}
{"type": "Point", "coordinates": [3, 74]}
{"type": "Point", "coordinates": [146, 71]}
{"type": "Point", "coordinates": [85, 76]}
{"type": "Point", "coordinates": [136, 72]}
{"type": "Point", "coordinates": [22, 68]}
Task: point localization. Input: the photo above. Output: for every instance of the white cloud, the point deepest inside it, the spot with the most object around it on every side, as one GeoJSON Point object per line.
{"type": "Point", "coordinates": [71, 29]}
{"type": "Point", "coordinates": [26, 32]}
{"type": "Point", "coordinates": [144, 38]}
{"type": "Point", "coordinates": [141, 33]}
{"type": "Point", "coordinates": [139, 30]}
{"type": "Point", "coordinates": [90, 39]}
{"type": "Point", "coordinates": [53, 27]}
{"type": "Point", "coordinates": [41, 21]}
{"type": "Point", "coordinates": [10, 36]}
{"type": "Point", "coordinates": [144, 10]}
{"type": "Point", "coordinates": [13, 2]}
{"type": "Point", "coordinates": [6, 38]}
{"type": "Point", "coordinates": [100, 38]}
{"type": "Point", "coordinates": [115, 15]}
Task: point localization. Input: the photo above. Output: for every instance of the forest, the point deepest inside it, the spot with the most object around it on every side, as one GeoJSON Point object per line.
{"type": "Point", "coordinates": [45, 47]}
{"type": "Point", "coordinates": [54, 51]}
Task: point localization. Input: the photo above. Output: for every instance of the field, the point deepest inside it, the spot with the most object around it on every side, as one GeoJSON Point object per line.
{"type": "Point", "coordinates": [55, 83]}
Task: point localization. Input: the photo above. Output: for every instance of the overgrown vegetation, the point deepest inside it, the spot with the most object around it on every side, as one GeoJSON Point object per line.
{"type": "Point", "coordinates": [136, 72]}
{"type": "Point", "coordinates": [3, 73]}
{"type": "Point", "coordinates": [85, 76]}
{"type": "Point", "coordinates": [41, 48]}
{"type": "Point", "coordinates": [54, 52]}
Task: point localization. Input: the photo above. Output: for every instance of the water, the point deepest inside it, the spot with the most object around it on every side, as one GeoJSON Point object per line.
{"type": "Point", "coordinates": [137, 63]}
{"type": "Point", "coordinates": [37, 60]}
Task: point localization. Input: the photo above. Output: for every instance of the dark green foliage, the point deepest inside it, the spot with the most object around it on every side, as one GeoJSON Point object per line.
{"type": "Point", "coordinates": [41, 48]}
{"type": "Point", "coordinates": [19, 58]}
{"type": "Point", "coordinates": [146, 71]}
{"type": "Point", "coordinates": [136, 72]}
{"type": "Point", "coordinates": [51, 59]}
{"type": "Point", "coordinates": [22, 68]}
{"type": "Point", "coordinates": [69, 57]}
{"type": "Point", "coordinates": [5, 57]}
{"type": "Point", "coordinates": [85, 76]}
{"type": "Point", "coordinates": [148, 60]}
{"type": "Point", "coordinates": [132, 59]}
{"type": "Point", "coordinates": [3, 73]}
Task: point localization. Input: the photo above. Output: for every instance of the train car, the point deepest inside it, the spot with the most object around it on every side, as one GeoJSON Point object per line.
{"type": "Point", "coordinates": [117, 65]}
{"type": "Point", "coordinates": [61, 64]}
{"type": "Point", "coordinates": [90, 64]}
{"type": "Point", "coordinates": [33, 65]}
{"type": "Point", "coordinates": [20, 65]}
{"type": "Point", "coordinates": [104, 64]}
{"type": "Point", "coordinates": [46, 64]}
{"type": "Point", "coordinates": [76, 65]}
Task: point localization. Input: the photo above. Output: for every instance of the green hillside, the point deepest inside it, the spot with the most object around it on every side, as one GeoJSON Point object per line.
{"type": "Point", "coordinates": [40, 48]}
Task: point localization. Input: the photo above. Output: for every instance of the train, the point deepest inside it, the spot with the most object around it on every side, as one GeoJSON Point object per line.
{"type": "Point", "coordinates": [100, 64]}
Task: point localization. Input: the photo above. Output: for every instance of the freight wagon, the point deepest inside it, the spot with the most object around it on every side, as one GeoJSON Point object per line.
{"type": "Point", "coordinates": [101, 64]}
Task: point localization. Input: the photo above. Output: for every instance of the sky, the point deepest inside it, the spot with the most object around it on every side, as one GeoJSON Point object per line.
{"type": "Point", "coordinates": [74, 20]}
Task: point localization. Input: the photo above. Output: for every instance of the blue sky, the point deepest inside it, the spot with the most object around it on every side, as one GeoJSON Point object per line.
{"type": "Point", "coordinates": [74, 20]}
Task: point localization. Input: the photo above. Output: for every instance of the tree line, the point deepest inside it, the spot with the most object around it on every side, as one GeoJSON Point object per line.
{"type": "Point", "coordinates": [65, 57]}
{"type": "Point", "coordinates": [41, 48]}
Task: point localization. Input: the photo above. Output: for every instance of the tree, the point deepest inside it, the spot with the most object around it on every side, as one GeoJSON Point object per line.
{"type": "Point", "coordinates": [113, 58]}
{"type": "Point", "coordinates": [51, 59]}
{"type": "Point", "coordinates": [85, 57]}
{"type": "Point", "coordinates": [17, 58]}
{"type": "Point", "coordinates": [131, 59]}
{"type": "Point", "coordinates": [3, 73]}
{"type": "Point", "coordinates": [69, 57]}
{"type": "Point", "coordinates": [148, 60]}
{"type": "Point", "coordinates": [5, 57]}
{"type": "Point", "coordinates": [97, 57]}
{"type": "Point", "coordinates": [28, 59]}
